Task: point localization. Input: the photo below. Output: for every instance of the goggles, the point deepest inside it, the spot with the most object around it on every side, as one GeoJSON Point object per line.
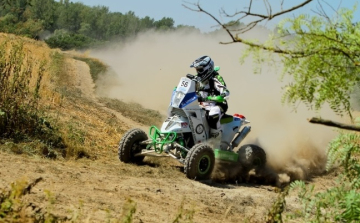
{"type": "Point", "coordinates": [199, 70]}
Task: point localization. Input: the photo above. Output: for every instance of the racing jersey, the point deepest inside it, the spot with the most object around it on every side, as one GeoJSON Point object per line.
{"type": "Point", "coordinates": [213, 87]}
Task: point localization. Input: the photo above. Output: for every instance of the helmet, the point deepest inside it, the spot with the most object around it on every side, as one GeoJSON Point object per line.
{"type": "Point", "coordinates": [204, 67]}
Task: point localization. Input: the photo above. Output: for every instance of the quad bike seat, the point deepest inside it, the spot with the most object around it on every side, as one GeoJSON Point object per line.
{"type": "Point", "coordinates": [226, 119]}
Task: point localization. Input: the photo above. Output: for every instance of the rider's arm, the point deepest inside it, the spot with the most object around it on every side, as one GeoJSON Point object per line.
{"type": "Point", "coordinates": [220, 85]}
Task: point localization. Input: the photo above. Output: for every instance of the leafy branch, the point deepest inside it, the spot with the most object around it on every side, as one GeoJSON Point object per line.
{"type": "Point", "coordinates": [258, 19]}
{"type": "Point", "coordinates": [320, 53]}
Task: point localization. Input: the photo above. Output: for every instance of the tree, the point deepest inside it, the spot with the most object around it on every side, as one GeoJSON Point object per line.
{"type": "Point", "coordinates": [16, 7]}
{"type": "Point", "coordinates": [321, 53]}
{"type": "Point", "coordinates": [16, 17]}
{"type": "Point", "coordinates": [69, 16]}
{"type": "Point", "coordinates": [115, 26]}
{"type": "Point", "coordinates": [95, 22]}
{"type": "Point", "coordinates": [45, 11]}
{"type": "Point", "coordinates": [131, 24]}
{"type": "Point", "coordinates": [147, 22]}
{"type": "Point", "coordinates": [165, 23]}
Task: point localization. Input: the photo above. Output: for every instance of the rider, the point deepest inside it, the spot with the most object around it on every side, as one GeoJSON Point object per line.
{"type": "Point", "coordinates": [212, 93]}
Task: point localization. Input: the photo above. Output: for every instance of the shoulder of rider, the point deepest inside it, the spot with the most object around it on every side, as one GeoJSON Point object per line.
{"type": "Point", "coordinates": [219, 78]}
{"type": "Point", "coordinates": [216, 75]}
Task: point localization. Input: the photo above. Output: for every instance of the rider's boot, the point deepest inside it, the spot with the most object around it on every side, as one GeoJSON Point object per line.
{"type": "Point", "coordinates": [216, 135]}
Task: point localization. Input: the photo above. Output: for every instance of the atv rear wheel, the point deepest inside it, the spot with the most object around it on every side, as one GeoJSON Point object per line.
{"type": "Point", "coordinates": [252, 156]}
{"type": "Point", "coordinates": [199, 162]}
{"type": "Point", "coordinates": [130, 145]}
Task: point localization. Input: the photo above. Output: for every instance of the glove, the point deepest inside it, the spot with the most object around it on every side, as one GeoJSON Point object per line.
{"type": "Point", "coordinates": [201, 99]}
{"type": "Point", "coordinates": [218, 98]}
{"type": "Point", "coordinates": [198, 79]}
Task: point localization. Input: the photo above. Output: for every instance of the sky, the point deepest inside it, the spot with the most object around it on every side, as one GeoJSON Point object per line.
{"type": "Point", "coordinates": [158, 9]}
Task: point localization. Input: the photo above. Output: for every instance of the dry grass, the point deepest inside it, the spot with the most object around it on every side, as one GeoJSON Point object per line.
{"type": "Point", "coordinates": [84, 127]}
{"type": "Point", "coordinates": [24, 70]}
{"type": "Point", "coordinates": [134, 111]}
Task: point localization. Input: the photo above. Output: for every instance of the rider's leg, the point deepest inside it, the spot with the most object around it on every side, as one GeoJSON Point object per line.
{"type": "Point", "coordinates": [214, 122]}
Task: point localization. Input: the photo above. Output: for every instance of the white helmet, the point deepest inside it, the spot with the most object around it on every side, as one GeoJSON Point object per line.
{"type": "Point", "coordinates": [204, 67]}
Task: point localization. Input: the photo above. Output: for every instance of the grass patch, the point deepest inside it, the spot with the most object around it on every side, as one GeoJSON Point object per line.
{"type": "Point", "coordinates": [31, 148]}
{"type": "Point", "coordinates": [134, 111]}
{"type": "Point", "coordinates": [13, 208]}
{"type": "Point", "coordinates": [88, 130]}
{"type": "Point", "coordinates": [22, 117]}
{"type": "Point", "coordinates": [96, 66]}
{"type": "Point", "coordinates": [43, 113]}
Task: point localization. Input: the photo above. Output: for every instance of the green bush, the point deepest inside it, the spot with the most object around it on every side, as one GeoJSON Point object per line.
{"type": "Point", "coordinates": [340, 203]}
{"type": "Point", "coordinates": [67, 41]}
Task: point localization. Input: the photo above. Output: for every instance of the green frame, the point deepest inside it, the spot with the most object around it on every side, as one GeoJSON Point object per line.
{"type": "Point", "coordinates": [157, 141]}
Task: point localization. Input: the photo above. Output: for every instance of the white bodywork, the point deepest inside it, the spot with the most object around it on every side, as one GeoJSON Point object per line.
{"type": "Point", "coordinates": [185, 115]}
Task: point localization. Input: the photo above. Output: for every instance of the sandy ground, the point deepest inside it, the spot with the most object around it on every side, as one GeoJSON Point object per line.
{"type": "Point", "coordinates": [98, 191]}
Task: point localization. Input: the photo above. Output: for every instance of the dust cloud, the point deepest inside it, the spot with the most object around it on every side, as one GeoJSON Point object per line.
{"type": "Point", "coordinates": [146, 70]}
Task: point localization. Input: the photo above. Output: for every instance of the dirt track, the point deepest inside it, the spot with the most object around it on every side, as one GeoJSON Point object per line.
{"type": "Point", "coordinates": [99, 189]}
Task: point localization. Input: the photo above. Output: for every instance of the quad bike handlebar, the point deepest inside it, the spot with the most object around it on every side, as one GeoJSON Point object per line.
{"type": "Point", "coordinates": [193, 77]}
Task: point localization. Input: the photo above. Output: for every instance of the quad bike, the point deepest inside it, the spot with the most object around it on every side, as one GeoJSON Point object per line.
{"type": "Point", "coordinates": [185, 134]}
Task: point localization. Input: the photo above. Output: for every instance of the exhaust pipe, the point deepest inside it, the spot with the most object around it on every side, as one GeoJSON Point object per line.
{"type": "Point", "coordinates": [240, 136]}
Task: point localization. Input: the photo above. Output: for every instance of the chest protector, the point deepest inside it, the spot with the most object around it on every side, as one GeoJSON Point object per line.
{"type": "Point", "coordinates": [212, 91]}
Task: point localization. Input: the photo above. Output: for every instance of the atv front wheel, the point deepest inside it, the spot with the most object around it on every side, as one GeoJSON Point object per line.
{"type": "Point", "coordinates": [130, 145]}
{"type": "Point", "coordinates": [251, 156]}
{"type": "Point", "coordinates": [199, 162]}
